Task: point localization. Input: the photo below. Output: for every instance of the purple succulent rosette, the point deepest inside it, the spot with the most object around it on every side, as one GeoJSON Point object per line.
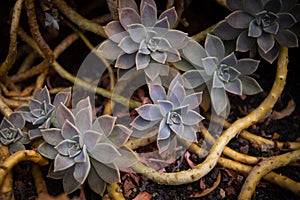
{"type": "Point", "coordinates": [221, 73]}
{"type": "Point", "coordinates": [11, 134]}
{"type": "Point", "coordinates": [86, 149]}
{"type": "Point", "coordinates": [40, 110]}
{"type": "Point", "coordinates": [142, 40]}
{"type": "Point", "coordinates": [173, 111]}
{"type": "Point", "coordinates": [266, 23]}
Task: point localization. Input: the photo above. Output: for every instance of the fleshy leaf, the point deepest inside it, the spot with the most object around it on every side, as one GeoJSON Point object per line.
{"type": "Point", "coordinates": [171, 15]}
{"type": "Point", "coordinates": [154, 70]}
{"type": "Point", "coordinates": [47, 151]}
{"type": "Point", "coordinates": [69, 130]}
{"type": "Point", "coordinates": [164, 131]}
{"type": "Point", "coordinates": [81, 171]}
{"type": "Point", "coordinates": [177, 94]}
{"type": "Point", "coordinates": [239, 19]}
{"type": "Point", "coordinates": [62, 97]}
{"type": "Point", "coordinates": [254, 29]}
{"type": "Point", "coordinates": [250, 85]}
{"type": "Point", "coordinates": [96, 183]}
{"type": "Point", "coordinates": [83, 119]}
{"type": "Point", "coordinates": [114, 50]}
{"type": "Point", "coordinates": [105, 124]}
{"type": "Point", "coordinates": [141, 124]}
{"type": "Point", "coordinates": [177, 128]}
{"type": "Point", "coordinates": [157, 92]}
{"type": "Point", "coordinates": [17, 146]}
{"type": "Point", "coordinates": [62, 114]}
{"type": "Point", "coordinates": [253, 6]}
{"type": "Point", "coordinates": [125, 61]}
{"type": "Point", "coordinates": [128, 16]}
{"type": "Point", "coordinates": [247, 66]}
{"type": "Point", "coordinates": [287, 38]}
{"type": "Point", "coordinates": [195, 78]}
{"type": "Point", "coordinates": [150, 2]}
{"type": "Point", "coordinates": [219, 99]}
{"type": "Point", "coordinates": [286, 20]}
{"type": "Point", "coordinates": [115, 31]}
{"type": "Point", "coordinates": [189, 134]}
{"type": "Point", "coordinates": [63, 147]}
{"type": "Point", "coordinates": [62, 162]}
{"type": "Point", "coordinates": [148, 15]}
{"type": "Point", "coordinates": [130, 4]}
{"type": "Point", "coordinates": [244, 42]}
{"type": "Point", "coordinates": [192, 118]}
{"type": "Point", "coordinates": [266, 42]}
{"type": "Point", "coordinates": [165, 106]}
{"type": "Point", "coordinates": [177, 39]}
{"type": "Point", "coordinates": [149, 112]}
{"type": "Point", "coordinates": [214, 46]}
{"type": "Point", "coordinates": [109, 173]}
{"type": "Point", "coordinates": [194, 53]}
{"type": "Point", "coordinates": [105, 153]}
{"type": "Point", "coordinates": [69, 183]}
{"type": "Point", "coordinates": [128, 45]}
{"type": "Point", "coordinates": [42, 95]}
{"type": "Point", "coordinates": [163, 145]}
{"type": "Point", "coordinates": [119, 135]}
{"type": "Point", "coordinates": [142, 61]}
{"type": "Point", "coordinates": [273, 6]}
{"type": "Point", "coordinates": [127, 159]}
{"type": "Point", "coordinates": [162, 24]}
{"type": "Point", "coordinates": [90, 139]}
{"type": "Point", "coordinates": [225, 31]}
{"type": "Point", "coordinates": [271, 55]}
{"type": "Point", "coordinates": [234, 5]}
{"type": "Point", "coordinates": [210, 64]}
{"type": "Point", "coordinates": [52, 136]}
{"type": "Point", "coordinates": [234, 87]}
{"type": "Point", "coordinates": [193, 100]}
{"type": "Point", "coordinates": [158, 56]}
{"type": "Point", "coordinates": [137, 32]}
{"type": "Point", "coordinates": [17, 119]}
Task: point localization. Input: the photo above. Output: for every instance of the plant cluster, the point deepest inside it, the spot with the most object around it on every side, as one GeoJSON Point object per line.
{"type": "Point", "coordinates": [84, 147]}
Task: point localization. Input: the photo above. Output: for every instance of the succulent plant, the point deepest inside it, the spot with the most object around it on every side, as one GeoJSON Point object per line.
{"type": "Point", "coordinates": [265, 22]}
{"type": "Point", "coordinates": [40, 109]}
{"type": "Point", "coordinates": [221, 73]}
{"type": "Point", "coordinates": [143, 40]}
{"type": "Point", "coordinates": [86, 149]}
{"type": "Point", "coordinates": [11, 134]}
{"type": "Point", "coordinates": [174, 111]}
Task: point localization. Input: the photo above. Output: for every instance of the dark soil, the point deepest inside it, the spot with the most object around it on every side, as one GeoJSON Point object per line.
{"type": "Point", "coordinates": [198, 15]}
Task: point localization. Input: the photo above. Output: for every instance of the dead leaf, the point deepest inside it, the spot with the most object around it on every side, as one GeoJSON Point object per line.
{"type": "Point", "coordinates": [143, 196]}
{"type": "Point", "coordinates": [208, 190]}
{"type": "Point", "coordinates": [202, 184]}
{"type": "Point", "coordinates": [275, 136]}
{"type": "Point", "coordinates": [287, 111]}
{"type": "Point", "coordinates": [187, 158]}
{"type": "Point", "coordinates": [205, 103]}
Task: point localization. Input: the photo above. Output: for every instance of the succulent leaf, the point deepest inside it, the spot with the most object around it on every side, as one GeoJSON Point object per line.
{"type": "Point", "coordinates": [172, 111]}
{"type": "Point", "coordinates": [79, 141]}
{"type": "Point", "coordinates": [265, 23]}
{"type": "Point", "coordinates": [145, 37]}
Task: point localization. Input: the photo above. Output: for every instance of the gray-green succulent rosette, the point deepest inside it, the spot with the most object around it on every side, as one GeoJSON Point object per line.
{"type": "Point", "coordinates": [267, 23]}
{"type": "Point", "coordinates": [11, 134]}
{"type": "Point", "coordinates": [40, 110]}
{"type": "Point", "coordinates": [86, 149]}
{"type": "Point", "coordinates": [221, 73]}
{"type": "Point", "coordinates": [175, 112]}
{"type": "Point", "coordinates": [142, 40]}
